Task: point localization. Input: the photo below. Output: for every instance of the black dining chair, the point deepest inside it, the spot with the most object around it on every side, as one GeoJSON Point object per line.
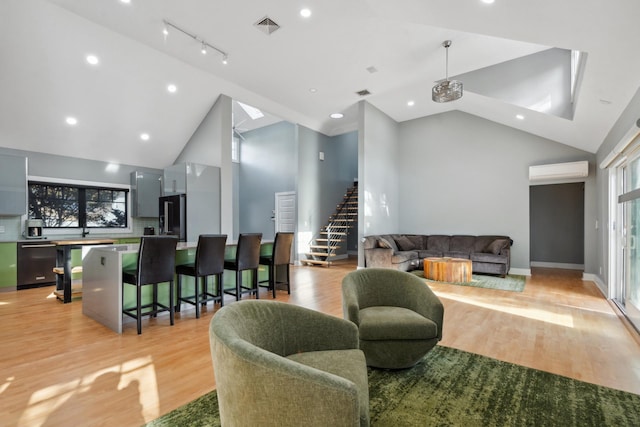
{"type": "Point", "coordinates": [280, 255]}
{"type": "Point", "coordinates": [247, 258]}
{"type": "Point", "coordinates": [209, 262]}
{"type": "Point", "coordinates": [156, 264]}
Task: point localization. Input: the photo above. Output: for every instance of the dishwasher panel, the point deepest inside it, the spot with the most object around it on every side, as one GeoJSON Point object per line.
{"type": "Point", "coordinates": [36, 261]}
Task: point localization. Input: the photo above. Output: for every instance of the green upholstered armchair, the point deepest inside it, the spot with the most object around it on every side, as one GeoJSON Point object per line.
{"type": "Point", "coordinates": [278, 364]}
{"type": "Point", "coordinates": [399, 318]}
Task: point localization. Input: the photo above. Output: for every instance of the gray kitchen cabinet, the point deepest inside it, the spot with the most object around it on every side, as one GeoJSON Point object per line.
{"type": "Point", "coordinates": [146, 188]}
{"type": "Point", "coordinates": [201, 184]}
{"type": "Point", "coordinates": [13, 185]}
{"type": "Point", "coordinates": [175, 180]}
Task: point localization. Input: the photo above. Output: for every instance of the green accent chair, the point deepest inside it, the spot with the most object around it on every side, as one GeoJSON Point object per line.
{"type": "Point", "coordinates": [277, 364]}
{"type": "Point", "coordinates": [399, 318]}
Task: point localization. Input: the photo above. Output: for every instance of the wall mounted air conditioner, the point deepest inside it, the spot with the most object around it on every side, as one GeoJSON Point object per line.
{"type": "Point", "coordinates": [559, 171]}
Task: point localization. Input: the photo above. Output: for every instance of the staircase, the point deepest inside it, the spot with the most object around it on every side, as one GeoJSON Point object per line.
{"type": "Point", "coordinates": [323, 246]}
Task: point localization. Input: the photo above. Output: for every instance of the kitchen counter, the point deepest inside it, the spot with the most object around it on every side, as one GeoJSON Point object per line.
{"type": "Point", "coordinates": [64, 248]}
{"type": "Point", "coordinates": [103, 295]}
{"type": "Point", "coordinates": [84, 241]}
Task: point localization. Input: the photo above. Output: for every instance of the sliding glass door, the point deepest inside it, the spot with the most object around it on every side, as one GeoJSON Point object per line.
{"type": "Point", "coordinates": [628, 289]}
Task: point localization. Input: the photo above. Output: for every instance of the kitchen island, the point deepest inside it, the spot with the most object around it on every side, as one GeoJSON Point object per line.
{"type": "Point", "coordinates": [103, 295]}
{"type": "Point", "coordinates": [63, 249]}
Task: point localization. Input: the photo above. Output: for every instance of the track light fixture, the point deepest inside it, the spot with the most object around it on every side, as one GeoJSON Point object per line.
{"type": "Point", "coordinates": [204, 46]}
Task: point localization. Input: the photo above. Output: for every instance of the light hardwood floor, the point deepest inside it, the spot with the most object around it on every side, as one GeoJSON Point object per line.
{"type": "Point", "coordinates": [59, 368]}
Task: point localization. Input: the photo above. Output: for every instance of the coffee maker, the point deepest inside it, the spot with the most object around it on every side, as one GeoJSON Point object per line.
{"type": "Point", "coordinates": [33, 228]}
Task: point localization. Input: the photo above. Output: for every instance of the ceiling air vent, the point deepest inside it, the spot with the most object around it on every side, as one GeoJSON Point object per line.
{"type": "Point", "coordinates": [267, 25]}
{"type": "Point", "coordinates": [363, 92]}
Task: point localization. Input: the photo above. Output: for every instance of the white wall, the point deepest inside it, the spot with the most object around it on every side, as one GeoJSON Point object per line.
{"type": "Point", "coordinates": [461, 174]}
{"type": "Point", "coordinates": [210, 145]}
{"type": "Point", "coordinates": [378, 165]}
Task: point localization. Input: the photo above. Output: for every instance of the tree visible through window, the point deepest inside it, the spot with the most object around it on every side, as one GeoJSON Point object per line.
{"type": "Point", "coordinates": [67, 206]}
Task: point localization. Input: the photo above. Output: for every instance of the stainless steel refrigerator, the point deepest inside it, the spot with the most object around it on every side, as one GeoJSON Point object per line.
{"type": "Point", "coordinates": [173, 216]}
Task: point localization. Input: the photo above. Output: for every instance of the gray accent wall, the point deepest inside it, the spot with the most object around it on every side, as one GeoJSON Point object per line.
{"type": "Point", "coordinates": [557, 223]}
{"type": "Point", "coordinates": [461, 174]}
{"type": "Point", "coordinates": [268, 165]}
{"type": "Point", "coordinates": [322, 183]}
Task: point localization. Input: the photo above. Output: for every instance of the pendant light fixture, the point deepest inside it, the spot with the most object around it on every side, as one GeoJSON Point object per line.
{"type": "Point", "coordinates": [447, 90]}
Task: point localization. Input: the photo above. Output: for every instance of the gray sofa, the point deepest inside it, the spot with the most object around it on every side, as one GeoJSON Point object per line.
{"type": "Point", "coordinates": [406, 252]}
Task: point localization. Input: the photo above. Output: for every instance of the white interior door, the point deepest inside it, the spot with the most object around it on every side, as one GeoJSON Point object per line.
{"type": "Point", "coordinates": [285, 215]}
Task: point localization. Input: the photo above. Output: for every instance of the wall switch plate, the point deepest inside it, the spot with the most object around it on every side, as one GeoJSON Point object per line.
{"type": "Point", "coordinates": [1, 228]}
{"type": "Point", "coordinates": [321, 156]}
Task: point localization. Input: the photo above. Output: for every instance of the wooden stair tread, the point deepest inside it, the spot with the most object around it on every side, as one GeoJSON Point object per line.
{"type": "Point", "coordinates": [337, 233]}
{"type": "Point", "coordinates": [324, 254]}
{"type": "Point", "coordinates": [60, 270]}
{"type": "Point", "coordinates": [323, 247]}
{"type": "Point", "coordinates": [315, 261]}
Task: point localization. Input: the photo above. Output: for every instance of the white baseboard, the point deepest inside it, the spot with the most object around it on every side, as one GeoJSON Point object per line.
{"type": "Point", "coordinates": [561, 265]}
{"type": "Point", "coordinates": [520, 271]}
{"type": "Point", "coordinates": [602, 287]}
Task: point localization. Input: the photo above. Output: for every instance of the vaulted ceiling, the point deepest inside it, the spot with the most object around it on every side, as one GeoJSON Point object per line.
{"type": "Point", "coordinates": [306, 70]}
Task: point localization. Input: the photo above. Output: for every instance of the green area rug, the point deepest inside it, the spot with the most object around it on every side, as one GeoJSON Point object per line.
{"type": "Point", "coordinates": [455, 388]}
{"type": "Point", "coordinates": [511, 282]}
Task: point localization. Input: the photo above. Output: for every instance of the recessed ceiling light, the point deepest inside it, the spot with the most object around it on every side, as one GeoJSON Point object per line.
{"type": "Point", "coordinates": [411, 103]}
{"type": "Point", "coordinates": [92, 59]}
{"type": "Point", "coordinates": [144, 136]}
{"type": "Point", "coordinates": [72, 121]}
{"type": "Point", "coordinates": [336, 115]}
{"type": "Point", "coordinates": [305, 13]}
{"type": "Point", "coordinates": [488, 1]}
{"type": "Point", "coordinates": [313, 90]}
{"type": "Point", "coordinates": [172, 88]}
{"type": "Point", "coordinates": [125, 1]}
{"type": "Point", "coordinates": [519, 117]}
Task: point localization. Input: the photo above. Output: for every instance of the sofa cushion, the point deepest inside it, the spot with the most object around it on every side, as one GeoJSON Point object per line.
{"type": "Point", "coordinates": [404, 243]}
{"type": "Point", "coordinates": [395, 323]}
{"type": "Point", "coordinates": [483, 241]}
{"type": "Point", "coordinates": [438, 243]}
{"type": "Point", "coordinates": [429, 254]}
{"type": "Point", "coordinates": [386, 244]}
{"type": "Point", "coordinates": [496, 246]}
{"type": "Point", "coordinates": [403, 256]}
{"type": "Point", "coordinates": [418, 240]}
{"type": "Point", "coordinates": [487, 257]}
{"type": "Point", "coordinates": [462, 244]}
{"type": "Point", "coordinates": [454, 254]}
{"type": "Point", "coordinates": [349, 364]}
{"type": "Point", "coordinates": [387, 241]}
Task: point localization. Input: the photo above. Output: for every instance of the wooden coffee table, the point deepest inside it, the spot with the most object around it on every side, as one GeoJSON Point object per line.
{"type": "Point", "coordinates": [448, 269]}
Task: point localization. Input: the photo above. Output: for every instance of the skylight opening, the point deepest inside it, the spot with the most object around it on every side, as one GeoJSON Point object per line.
{"type": "Point", "coordinates": [576, 63]}
{"type": "Point", "coordinates": [252, 112]}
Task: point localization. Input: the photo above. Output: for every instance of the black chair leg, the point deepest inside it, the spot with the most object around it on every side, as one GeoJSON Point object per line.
{"type": "Point", "coordinates": [254, 277]}
{"type": "Point", "coordinates": [155, 300]}
{"type": "Point", "coordinates": [139, 308]}
{"type": "Point", "coordinates": [220, 285]}
{"type": "Point", "coordinates": [288, 280]}
{"type": "Point", "coordinates": [179, 293]}
{"type": "Point", "coordinates": [196, 299]}
{"type": "Point", "coordinates": [238, 284]}
{"type": "Point", "coordinates": [273, 272]}
{"type": "Point", "coordinates": [171, 303]}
